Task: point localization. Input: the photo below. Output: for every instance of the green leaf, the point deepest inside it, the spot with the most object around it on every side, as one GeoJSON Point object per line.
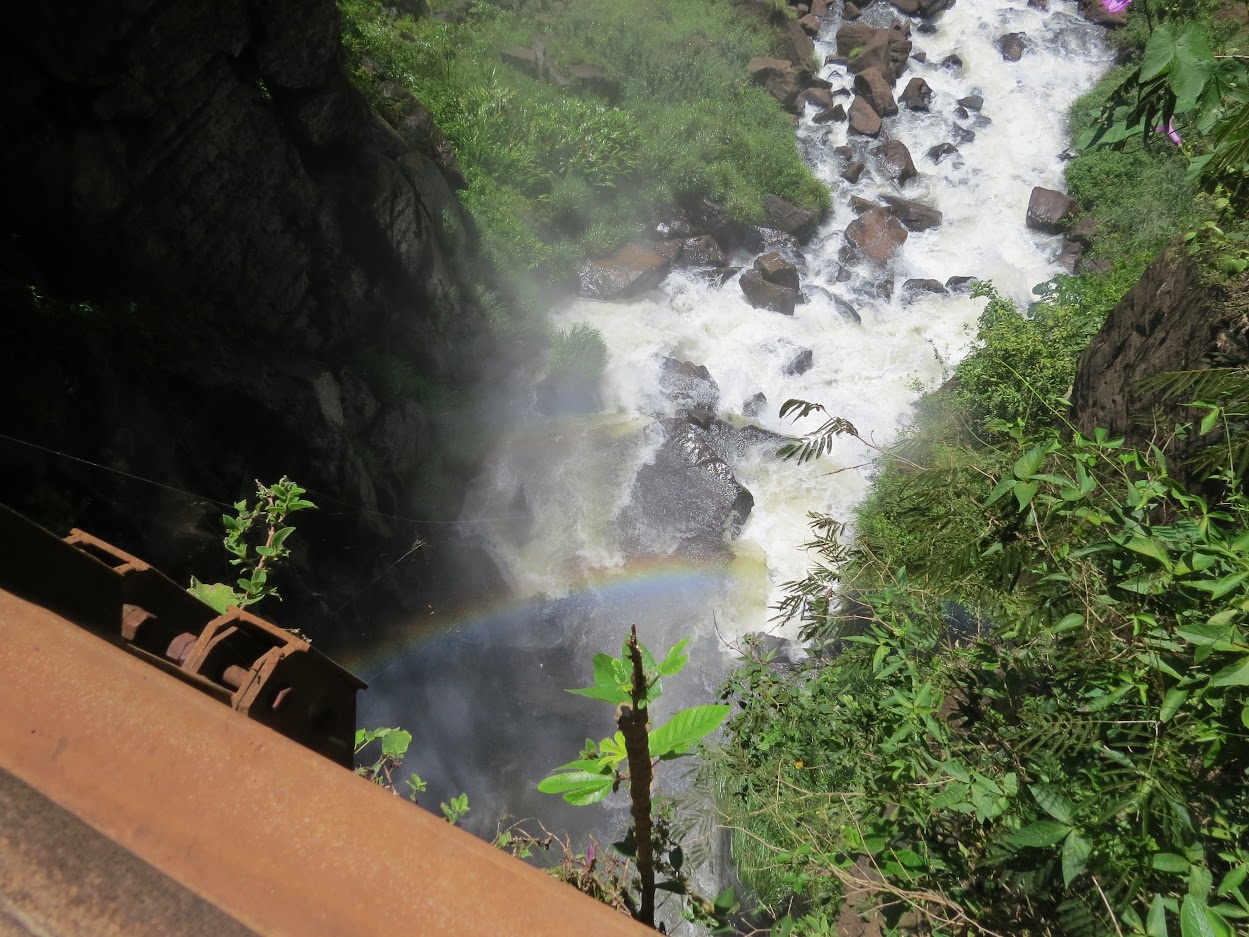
{"type": "Point", "coordinates": [680, 733]}
{"type": "Point", "coordinates": [675, 660]}
{"type": "Point", "coordinates": [1051, 800]}
{"type": "Point", "coordinates": [395, 743]}
{"type": "Point", "coordinates": [1076, 852]}
{"type": "Point", "coordinates": [1159, 53]}
{"type": "Point", "coordinates": [1030, 463]}
{"type": "Point", "coordinates": [1192, 68]}
{"type": "Point", "coordinates": [1024, 493]}
{"type": "Point", "coordinates": [1149, 547]}
{"type": "Point", "coordinates": [605, 670]}
{"type": "Point", "coordinates": [579, 787]}
{"type": "Point", "coordinates": [608, 694]}
{"type": "Point", "coordinates": [1156, 923]}
{"type": "Point", "coordinates": [1197, 920]}
{"type": "Point", "coordinates": [724, 901]}
{"type": "Point", "coordinates": [1171, 703]}
{"type": "Point", "coordinates": [1040, 833]}
{"type": "Point", "coordinates": [216, 595]}
{"type": "Point", "coordinates": [1209, 420]}
{"type": "Point", "coordinates": [1069, 623]}
{"type": "Point", "coordinates": [1170, 862]}
{"type": "Point", "coordinates": [1003, 486]}
{"type": "Point", "coordinates": [1236, 674]}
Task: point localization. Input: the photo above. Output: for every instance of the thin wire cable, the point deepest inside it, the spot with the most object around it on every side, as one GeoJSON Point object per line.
{"type": "Point", "coordinates": [354, 509]}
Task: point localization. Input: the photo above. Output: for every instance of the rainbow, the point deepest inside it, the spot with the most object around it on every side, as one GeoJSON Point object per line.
{"type": "Point", "coordinates": [636, 584]}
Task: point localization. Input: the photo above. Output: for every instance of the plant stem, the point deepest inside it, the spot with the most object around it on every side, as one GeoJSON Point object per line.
{"type": "Point", "coordinates": [632, 723]}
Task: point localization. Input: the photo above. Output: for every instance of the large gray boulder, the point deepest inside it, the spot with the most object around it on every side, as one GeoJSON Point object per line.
{"type": "Point", "coordinates": [686, 500]}
{"type": "Point", "coordinates": [897, 161]}
{"type": "Point", "coordinates": [866, 47]}
{"type": "Point", "coordinates": [776, 269]}
{"type": "Point", "coordinates": [689, 386]}
{"type": "Point", "coordinates": [870, 84]}
{"type": "Point", "coordinates": [916, 96]}
{"type": "Point", "coordinates": [915, 215]}
{"type": "Point", "coordinates": [764, 295]}
{"type": "Point", "coordinates": [863, 119]}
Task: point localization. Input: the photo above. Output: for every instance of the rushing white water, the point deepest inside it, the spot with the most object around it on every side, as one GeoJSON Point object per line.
{"type": "Point", "coordinates": [485, 700]}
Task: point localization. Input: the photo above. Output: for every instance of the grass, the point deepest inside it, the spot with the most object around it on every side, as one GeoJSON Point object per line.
{"type": "Point", "coordinates": [557, 174]}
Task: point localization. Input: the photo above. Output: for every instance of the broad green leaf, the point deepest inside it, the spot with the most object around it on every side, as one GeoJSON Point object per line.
{"type": "Point", "coordinates": [1076, 852]}
{"type": "Point", "coordinates": [608, 694]}
{"type": "Point", "coordinates": [395, 743]}
{"type": "Point", "coordinates": [1159, 53]}
{"type": "Point", "coordinates": [1024, 493]}
{"type": "Point", "coordinates": [1156, 923]}
{"type": "Point", "coordinates": [680, 733]}
{"type": "Point", "coordinates": [578, 787]}
{"type": "Point", "coordinates": [1197, 920]}
{"type": "Point", "coordinates": [1171, 703]}
{"type": "Point", "coordinates": [1149, 547]}
{"type": "Point", "coordinates": [1069, 623]}
{"type": "Point", "coordinates": [217, 595]}
{"type": "Point", "coordinates": [675, 660]}
{"type": "Point", "coordinates": [1041, 833]}
{"type": "Point", "coordinates": [1209, 420]}
{"type": "Point", "coordinates": [1052, 802]}
{"type": "Point", "coordinates": [1031, 461]}
{"type": "Point", "coordinates": [581, 764]}
{"type": "Point", "coordinates": [605, 670]}
{"type": "Point", "coordinates": [1003, 486]}
{"type": "Point", "coordinates": [1192, 68]}
{"type": "Point", "coordinates": [1236, 674]}
{"type": "Point", "coordinates": [1244, 717]}
{"type": "Point", "coordinates": [1170, 862]}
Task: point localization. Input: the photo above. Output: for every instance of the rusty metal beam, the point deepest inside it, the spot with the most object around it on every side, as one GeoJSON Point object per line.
{"type": "Point", "coordinates": [275, 836]}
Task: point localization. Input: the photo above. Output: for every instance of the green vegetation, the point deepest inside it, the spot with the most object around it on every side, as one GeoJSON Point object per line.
{"type": "Point", "coordinates": [631, 682]}
{"type": "Point", "coordinates": [558, 172]}
{"type": "Point", "coordinates": [266, 518]}
{"type": "Point", "coordinates": [392, 746]}
{"type": "Point", "coordinates": [578, 352]}
{"type": "Point", "coordinates": [1027, 711]}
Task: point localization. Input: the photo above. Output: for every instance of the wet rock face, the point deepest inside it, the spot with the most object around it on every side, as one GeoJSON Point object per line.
{"type": "Point", "coordinates": [687, 500]}
{"type": "Point", "coordinates": [877, 234]}
{"type": "Point", "coordinates": [689, 386]}
{"type": "Point", "coordinates": [1048, 210]}
{"type": "Point", "coordinates": [632, 269]}
{"type": "Point", "coordinates": [211, 159]}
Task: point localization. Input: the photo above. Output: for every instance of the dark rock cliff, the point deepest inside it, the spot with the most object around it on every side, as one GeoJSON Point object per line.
{"type": "Point", "coordinates": [218, 264]}
{"type": "Point", "coordinates": [1176, 318]}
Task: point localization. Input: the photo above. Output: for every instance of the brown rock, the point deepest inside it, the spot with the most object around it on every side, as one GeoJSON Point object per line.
{"type": "Point", "coordinates": [776, 269]}
{"type": "Point", "coordinates": [764, 295]}
{"type": "Point", "coordinates": [1048, 209]}
{"type": "Point", "coordinates": [1094, 12]}
{"type": "Point", "coordinates": [870, 84]}
{"type": "Point", "coordinates": [916, 96]}
{"type": "Point", "coordinates": [897, 160]}
{"type": "Point", "coordinates": [632, 269]}
{"type": "Point", "coordinates": [859, 205]}
{"type": "Point", "coordinates": [922, 286]}
{"type": "Point", "coordinates": [819, 98]}
{"type": "Point", "coordinates": [819, 7]}
{"type": "Point", "coordinates": [852, 172]}
{"type": "Point", "coordinates": [876, 234]}
{"type": "Point", "coordinates": [863, 119]}
{"type": "Point", "coordinates": [835, 113]}
{"type": "Point", "coordinates": [850, 12]}
{"type": "Point", "coordinates": [908, 7]}
{"type": "Point", "coordinates": [915, 215]}
{"type": "Point", "coordinates": [810, 24]}
{"type": "Point", "coordinates": [702, 251]}
{"type": "Point", "coordinates": [784, 216]}
{"type": "Point", "coordinates": [1012, 46]}
{"type": "Point", "coordinates": [941, 151]}
{"type": "Point", "coordinates": [866, 46]}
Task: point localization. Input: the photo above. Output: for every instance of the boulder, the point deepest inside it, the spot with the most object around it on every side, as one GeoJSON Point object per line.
{"type": "Point", "coordinates": [819, 98]}
{"type": "Point", "coordinates": [686, 500]}
{"type": "Point", "coordinates": [1084, 231]}
{"type": "Point", "coordinates": [872, 87]}
{"type": "Point", "coordinates": [810, 24]}
{"type": "Point", "coordinates": [907, 7]}
{"type": "Point", "coordinates": [1012, 46]}
{"type": "Point", "coordinates": [962, 134]}
{"type": "Point", "coordinates": [897, 161]}
{"type": "Point", "coordinates": [787, 217]}
{"type": "Point", "coordinates": [852, 172]}
{"type": "Point", "coordinates": [973, 102]}
{"type": "Point", "coordinates": [915, 215]}
{"type": "Point", "coordinates": [689, 386]}
{"type": "Point", "coordinates": [1048, 210]}
{"type": "Point", "coordinates": [916, 96]}
{"type": "Point", "coordinates": [796, 45]}
{"type": "Point", "coordinates": [959, 284]}
{"type": "Point", "coordinates": [920, 57]}
{"type": "Point", "coordinates": [776, 269]}
{"type": "Point", "coordinates": [519, 57]}
{"type": "Point", "coordinates": [756, 405]}
{"type": "Point", "coordinates": [844, 152]}
{"type": "Point", "coordinates": [868, 47]}
{"type": "Point", "coordinates": [800, 362]}
{"type": "Point", "coordinates": [708, 216]}
{"type": "Point", "coordinates": [933, 7]}
{"type": "Point", "coordinates": [1069, 257]}
{"type": "Point", "coordinates": [764, 240]}
{"type": "Point", "coordinates": [835, 113]}
{"type": "Point", "coordinates": [847, 312]}
{"type": "Point", "coordinates": [595, 80]}
{"type": "Point", "coordinates": [952, 62]}
{"type": "Point", "coordinates": [863, 119]}
{"type": "Point", "coordinates": [764, 295]}
{"type": "Point", "coordinates": [850, 11]}
{"type": "Point", "coordinates": [632, 269]}
{"type": "Point", "coordinates": [702, 251]}
{"type": "Point", "coordinates": [762, 68]}
{"type": "Point", "coordinates": [819, 7]}
{"type": "Point", "coordinates": [913, 286]}
{"type": "Point", "coordinates": [876, 234]}
{"type": "Point", "coordinates": [860, 205]}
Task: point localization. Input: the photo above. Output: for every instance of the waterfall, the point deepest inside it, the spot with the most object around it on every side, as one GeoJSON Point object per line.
{"type": "Point", "coordinates": [484, 696]}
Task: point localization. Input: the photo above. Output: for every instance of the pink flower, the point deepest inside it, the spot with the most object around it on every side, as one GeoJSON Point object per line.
{"type": "Point", "coordinates": [1172, 134]}
{"type": "Point", "coordinates": [1116, 6]}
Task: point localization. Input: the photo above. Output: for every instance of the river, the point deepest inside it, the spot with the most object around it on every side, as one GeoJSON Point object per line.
{"type": "Point", "coordinates": [483, 693]}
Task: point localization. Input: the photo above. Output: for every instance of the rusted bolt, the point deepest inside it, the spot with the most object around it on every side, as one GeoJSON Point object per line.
{"type": "Point", "coordinates": [180, 647]}
{"type": "Point", "coordinates": [235, 676]}
{"type": "Point", "coordinates": [133, 617]}
{"type": "Point", "coordinates": [282, 694]}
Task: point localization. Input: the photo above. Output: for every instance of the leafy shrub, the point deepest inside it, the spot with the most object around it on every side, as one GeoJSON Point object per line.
{"type": "Point", "coordinates": [577, 352]}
